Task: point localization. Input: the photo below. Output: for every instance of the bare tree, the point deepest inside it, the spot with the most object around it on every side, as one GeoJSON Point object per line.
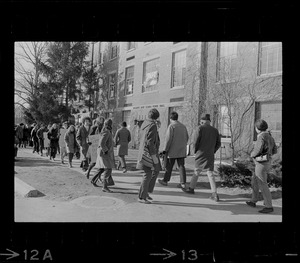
{"type": "Point", "coordinates": [28, 57]}
{"type": "Point", "coordinates": [236, 93]}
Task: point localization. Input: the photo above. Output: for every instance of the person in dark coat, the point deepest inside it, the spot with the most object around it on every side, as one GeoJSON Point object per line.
{"type": "Point", "coordinates": [82, 139]}
{"type": "Point", "coordinates": [35, 139]}
{"type": "Point", "coordinates": [19, 133]}
{"type": "Point", "coordinates": [122, 139]}
{"type": "Point", "coordinates": [206, 142]}
{"type": "Point", "coordinates": [26, 135]}
{"type": "Point", "coordinates": [40, 136]}
{"type": "Point", "coordinates": [264, 145]}
{"type": "Point", "coordinates": [96, 129]}
{"type": "Point", "coordinates": [53, 136]}
{"type": "Point", "coordinates": [71, 144]}
{"type": "Point", "coordinates": [151, 165]}
{"type": "Point", "coordinates": [105, 155]}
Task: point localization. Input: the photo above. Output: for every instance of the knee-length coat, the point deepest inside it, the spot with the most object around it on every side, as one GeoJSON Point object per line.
{"type": "Point", "coordinates": [82, 139]}
{"type": "Point", "coordinates": [70, 140]}
{"type": "Point", "coordinates": [149, 139]}
{"type": "Point", "coordinates": [122, 138]}
{"type": "Point", "coordinates": [105, 151]}
{"type": "Point", "coordinates": [206, 142]}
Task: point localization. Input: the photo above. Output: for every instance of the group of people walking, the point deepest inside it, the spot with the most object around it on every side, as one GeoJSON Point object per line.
{"type": "Point", "coordinates": [206, 142]}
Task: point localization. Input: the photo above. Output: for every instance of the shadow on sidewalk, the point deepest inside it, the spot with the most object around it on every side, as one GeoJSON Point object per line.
{"type": "Point", "coordinates": [235, 209]}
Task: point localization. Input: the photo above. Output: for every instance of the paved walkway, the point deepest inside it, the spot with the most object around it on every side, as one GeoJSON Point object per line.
{"type": "Point", "coordinates": [62, 203]}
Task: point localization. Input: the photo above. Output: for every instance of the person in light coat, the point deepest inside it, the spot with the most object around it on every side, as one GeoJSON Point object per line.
{"type": "Point", "coordinates": [105, 159]}
{"type": "Point", "coordinates": [175, 149]}
{"type": "Point", "coordinates": [122, 139]}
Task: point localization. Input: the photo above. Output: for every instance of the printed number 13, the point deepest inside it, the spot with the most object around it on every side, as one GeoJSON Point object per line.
{"type": "Point", "coordinates": [191, 253]}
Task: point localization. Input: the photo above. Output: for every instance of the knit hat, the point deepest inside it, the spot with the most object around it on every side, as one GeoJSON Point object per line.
{"type": "Point", "coordinates": [205, 117]}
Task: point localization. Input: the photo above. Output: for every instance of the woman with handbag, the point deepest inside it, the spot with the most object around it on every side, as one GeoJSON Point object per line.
{"type": "Point", "coordinates": [264, 148]}
{"type": "Point", "coordinates": [148, 157]}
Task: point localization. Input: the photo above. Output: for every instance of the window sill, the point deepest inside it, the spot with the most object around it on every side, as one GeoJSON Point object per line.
{"type": "Point", "coordinates": [128, 95]}
{"type": "Point", "coordinates": [268, 75]}
{"type": "Point", "coordinates": [129, 50]}
{"type": "Point", "coordinates": [152, 91]}
{"type": "Point", "coordinates": [177, 87]}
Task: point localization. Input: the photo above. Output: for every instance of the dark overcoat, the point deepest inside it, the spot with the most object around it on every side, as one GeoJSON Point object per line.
{"type": "Point", "coordinates": [149, 138]}
{"type": "Point", "coordinates": [122, 138]}
{"type": "Point", "coordinates": [206, 142]}
{"type": "Point", "coordinates": [70, 140]}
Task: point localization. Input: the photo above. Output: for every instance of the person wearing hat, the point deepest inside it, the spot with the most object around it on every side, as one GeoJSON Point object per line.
{"type": "Point", "coordinates": [206, 142]}
{"type": "Point", "coordinates": [264, 145]}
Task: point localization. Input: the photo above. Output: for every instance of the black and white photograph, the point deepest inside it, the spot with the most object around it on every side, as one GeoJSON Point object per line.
{"type": "Point", "coordinates": [155, 131]}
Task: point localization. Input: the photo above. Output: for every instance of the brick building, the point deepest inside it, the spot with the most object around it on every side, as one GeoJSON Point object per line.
{"type": "Point", "coordinates": [191, 78]}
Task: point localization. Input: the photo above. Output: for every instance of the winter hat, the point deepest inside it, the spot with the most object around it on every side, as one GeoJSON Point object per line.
{"type": "Point", "coordinates": [205, 117]}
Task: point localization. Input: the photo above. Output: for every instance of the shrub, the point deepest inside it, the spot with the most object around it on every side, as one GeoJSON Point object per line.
{"type": "Point", "coordinates": [241, 172]}
{"type": "Point", "coordinates": [235, 175]}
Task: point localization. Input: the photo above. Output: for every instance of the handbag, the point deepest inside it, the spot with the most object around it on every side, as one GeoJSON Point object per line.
{"type": "Point", "coordinates": [146, 158]}
{"type": "Point", "coordinates": [262, 158]}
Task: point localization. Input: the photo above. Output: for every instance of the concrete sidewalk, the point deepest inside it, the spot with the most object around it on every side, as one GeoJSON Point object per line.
{"type": "Point", "coordinates": [169, 204]}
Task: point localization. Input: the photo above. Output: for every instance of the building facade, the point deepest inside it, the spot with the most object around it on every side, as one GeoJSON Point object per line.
{"type": "Point", "coordinates": [236, 82]}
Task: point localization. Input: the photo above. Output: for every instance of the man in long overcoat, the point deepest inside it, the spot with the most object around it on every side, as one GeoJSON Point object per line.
{"type": "Point", "coordinates": [206, 142]}
{"type": "Point", "coordinates": [122, 138]}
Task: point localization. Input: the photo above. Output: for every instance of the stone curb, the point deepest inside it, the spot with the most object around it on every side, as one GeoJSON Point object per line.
{"type": "Point", "coordinates": [25, 189]}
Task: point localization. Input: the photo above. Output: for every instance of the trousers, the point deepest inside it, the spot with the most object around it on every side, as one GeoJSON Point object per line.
{"type": "Point", "coordinates": [169, 168]}
{"type": "Point", "coordinates": [148, 182]}
{"type": "Point", "coordinates": [259, 182]}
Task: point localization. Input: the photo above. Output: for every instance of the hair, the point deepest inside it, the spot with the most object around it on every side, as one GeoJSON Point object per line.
{"type": "Point", "coordinates": [69, 129]}
{"type": "Point", "coordinates": [261, 125]}
{"type": "Point", "coordinates": [174, 116]}
{"type": "Point", "coordinates": [107, 124]}
{"type": "Point", "coordinates": [86, 118]}
{"type": "Point", "coordinates": [124, 124]}
{"type": "Point", "coordinates": [153, 114]}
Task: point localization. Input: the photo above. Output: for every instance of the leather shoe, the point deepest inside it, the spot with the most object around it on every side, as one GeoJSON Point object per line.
{"type": "Point", "coordinates": [144, 201]}
{"type": "Point", "coordinates": [107, 190]}
{"type": "Point", "coordinates": [149, 197]}
{"type": "Point", "coordinates": [215, 197]}
{"type": "Point", "coordinates": [250, 203]}
{"type": "Point", "coordinates": [266, 210]}
{"type": "Point", "coordinates": [162, 182]}
{"type": "Point", "coordinates": [188, 190]}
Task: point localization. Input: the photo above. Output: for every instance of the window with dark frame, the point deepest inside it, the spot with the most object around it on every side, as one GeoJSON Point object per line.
{"type": "Point", "coordinates": [113, 50]}
{"type": "Point", "coordinates": [178, 69]}
{"type": "Point", "coordinates": [150, 75]}
{"type": "Point", "coordinates": [112, 85]}
{"type": "Point", "coordinates": [129, 80]}
{"type": "Point", "coordinates": [269, 58]}
{"type": "Point", "coordinates": [271, 112]}
{"type": "Point", "coordinates": [227, 61]}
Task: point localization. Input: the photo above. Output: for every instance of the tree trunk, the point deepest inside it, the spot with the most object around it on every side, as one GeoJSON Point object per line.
{"type": "Point", "coordinates": [203, 79]}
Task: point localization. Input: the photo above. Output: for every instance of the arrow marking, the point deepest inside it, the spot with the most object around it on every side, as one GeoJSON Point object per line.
{"type": "Point", "coordinates": [169, 254]}
{"type": "Point", "coordinates": [12, 255]}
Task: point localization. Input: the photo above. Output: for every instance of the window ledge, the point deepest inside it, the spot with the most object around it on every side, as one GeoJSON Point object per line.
{"type": "Point", "coordinates": [152, 91]}
{"type": "Point", "coordinates": [128, 95]}
{"type": "Point", "coordinates": [267, 75]}
{"type": "Point", "coordinates": [129, 50]}
{"type": "Point", "coordinates": [177, 87]}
